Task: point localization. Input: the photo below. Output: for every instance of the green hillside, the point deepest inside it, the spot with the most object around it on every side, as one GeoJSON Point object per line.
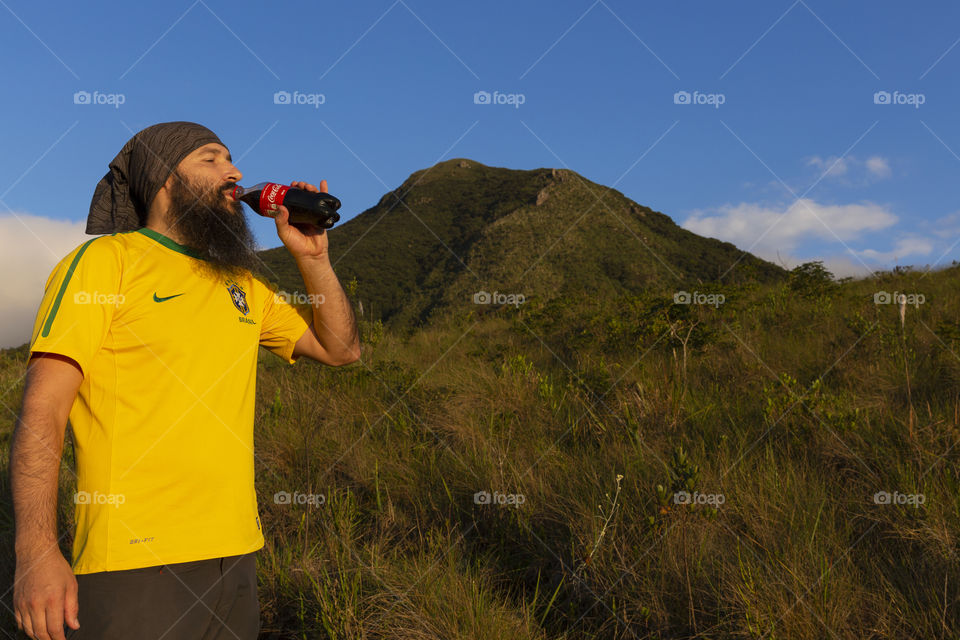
{"type": "Point", "coordinates": [461, 227]}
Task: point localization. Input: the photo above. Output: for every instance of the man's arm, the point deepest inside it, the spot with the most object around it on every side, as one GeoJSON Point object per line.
{"type": "Point", "coordinates": [45, 589]}
{"type": "Point", "coordinates": [332, 337]}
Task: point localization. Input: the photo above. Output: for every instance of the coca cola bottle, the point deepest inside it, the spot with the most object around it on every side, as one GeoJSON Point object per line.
{"type": "Point", "coordinates": [307, 207]}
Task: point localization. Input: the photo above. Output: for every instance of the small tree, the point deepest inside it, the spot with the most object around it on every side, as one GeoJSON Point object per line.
{"type": "Point", "coordinates": [812, 280]}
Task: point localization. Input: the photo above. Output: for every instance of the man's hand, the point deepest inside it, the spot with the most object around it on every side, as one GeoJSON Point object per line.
{"type": "Point", "coordinates": [302, 240]}
{"type": "Point", "coordinates": [44, 595]}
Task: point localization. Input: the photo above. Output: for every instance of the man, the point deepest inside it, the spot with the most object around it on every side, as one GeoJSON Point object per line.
{"type": "Point", "coordinates": [147, 339]}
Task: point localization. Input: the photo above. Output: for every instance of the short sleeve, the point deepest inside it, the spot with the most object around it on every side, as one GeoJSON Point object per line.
{"type": "Point", "coordinates": [283, 323]}
{"type": "Point", "coordinates": [79, 302]}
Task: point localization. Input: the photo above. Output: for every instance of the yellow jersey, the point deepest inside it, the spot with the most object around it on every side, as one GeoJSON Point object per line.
{"type": "Point", "coordinates": [163, 420]}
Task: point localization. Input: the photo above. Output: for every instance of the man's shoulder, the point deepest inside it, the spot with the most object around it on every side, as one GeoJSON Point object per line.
{"type": "Point", "coordinates": [107, 250]}
{"type": "Point", "coordinates": [114, 245]}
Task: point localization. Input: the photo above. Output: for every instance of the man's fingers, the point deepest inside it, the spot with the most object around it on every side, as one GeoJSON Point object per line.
{"type": "Point", "coordinates": [306, 186]}
{"type": "Point", "coordinates": [27, 625]}
{"type": "Point", "coordinates": [71, 606]}
{"type": "Point", "coordinates": [38, 622]}
{"type": "Point", "coordinates": [55, 622]}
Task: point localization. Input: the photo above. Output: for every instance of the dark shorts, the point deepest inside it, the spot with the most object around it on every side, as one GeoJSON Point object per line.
{"type": "Point", "coordinates": [213, 599]}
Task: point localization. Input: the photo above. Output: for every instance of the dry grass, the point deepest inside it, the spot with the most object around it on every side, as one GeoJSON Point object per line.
{"type": "Point", "coordinates": [399, 444]}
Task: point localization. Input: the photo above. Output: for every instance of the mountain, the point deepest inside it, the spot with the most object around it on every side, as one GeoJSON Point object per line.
{"type": "Point", "coordinates": [461, 227]}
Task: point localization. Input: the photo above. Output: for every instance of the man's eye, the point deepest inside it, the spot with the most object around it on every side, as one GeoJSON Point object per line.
{"type": "Point", "coordinates": [210, 160]}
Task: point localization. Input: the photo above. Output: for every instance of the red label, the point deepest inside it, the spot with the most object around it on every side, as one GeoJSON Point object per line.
{"type": "Point", "coordinates": [271, 198]}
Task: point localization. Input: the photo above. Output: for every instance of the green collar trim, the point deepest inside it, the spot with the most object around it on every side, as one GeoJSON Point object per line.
{"type": "Point", "coordinates": [170, 243]}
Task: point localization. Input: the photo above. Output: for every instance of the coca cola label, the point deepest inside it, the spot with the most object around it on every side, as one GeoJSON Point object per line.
{"type": "Point", "coordinates": [271, 198]}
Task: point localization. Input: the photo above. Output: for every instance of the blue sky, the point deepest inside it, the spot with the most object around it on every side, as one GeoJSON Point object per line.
{"type": "Point", "coordinates": [802, 159]}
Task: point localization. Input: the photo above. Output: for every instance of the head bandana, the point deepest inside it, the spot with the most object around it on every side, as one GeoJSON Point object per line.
{"type": "Point", "coordinates": [122, 198]}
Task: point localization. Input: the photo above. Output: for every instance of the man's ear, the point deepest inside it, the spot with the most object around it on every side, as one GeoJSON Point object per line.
{"type": "Point", "coordinates": [161, 200]}
{"type": "Point", "coordinates": [168, 184]}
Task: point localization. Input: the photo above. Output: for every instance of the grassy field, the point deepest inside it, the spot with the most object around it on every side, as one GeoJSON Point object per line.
{"type": "Point", "coordinates": [781, 464]}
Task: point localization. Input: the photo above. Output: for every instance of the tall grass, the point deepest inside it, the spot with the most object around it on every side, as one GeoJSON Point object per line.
{"type": "Point", "coordinates": [788, 415]}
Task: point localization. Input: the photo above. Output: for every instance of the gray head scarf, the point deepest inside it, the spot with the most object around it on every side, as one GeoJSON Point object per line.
{"type": "Point", "coordinates": [122, 198]}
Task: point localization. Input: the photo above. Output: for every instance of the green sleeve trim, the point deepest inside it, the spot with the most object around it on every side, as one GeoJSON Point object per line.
{"type": "Point", "coordinates": [63, 289]}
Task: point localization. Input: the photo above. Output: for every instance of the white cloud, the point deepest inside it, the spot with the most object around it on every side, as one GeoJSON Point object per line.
{"type": "Point", "coordinates": [910, 246]}
{"type": "Point", "coordinates": [850, 170]}
{"type": "Point", "coordinates": [775, 234]}
{"type": "Point", "coordinates": [833, 166]}
{"type": "Point", "coordinates": [878, 167]}
{"type": "Point", "coordinates": [948, 226]}
{"type": "Point", "coordinates": [30, 247]}
{"type": "Point", "coordinates": [769, 229]}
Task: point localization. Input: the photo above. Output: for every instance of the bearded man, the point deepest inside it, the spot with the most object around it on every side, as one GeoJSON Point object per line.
{"type": "Point", "coordinates": [147, 340]}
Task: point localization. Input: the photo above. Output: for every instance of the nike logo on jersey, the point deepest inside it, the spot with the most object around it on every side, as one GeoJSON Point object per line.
{"type": "Point", "coordinates": [159, 299]}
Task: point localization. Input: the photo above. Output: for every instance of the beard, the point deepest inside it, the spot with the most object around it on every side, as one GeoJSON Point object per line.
{"type": "Point", "coordinates": [210, 222]}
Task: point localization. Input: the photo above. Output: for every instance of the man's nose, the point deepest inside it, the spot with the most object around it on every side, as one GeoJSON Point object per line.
{"type": "Point", "coordinates": [234, 174]}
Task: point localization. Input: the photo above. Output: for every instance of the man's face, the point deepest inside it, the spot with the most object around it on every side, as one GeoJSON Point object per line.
{"type": "Point", "coordinates": [204, 214]}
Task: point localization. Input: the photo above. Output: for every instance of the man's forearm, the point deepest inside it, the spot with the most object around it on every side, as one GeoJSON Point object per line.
{"type": "Point", "coordinates": [333, 319]}
{"type": "Point", "coordinates": [34, 481]}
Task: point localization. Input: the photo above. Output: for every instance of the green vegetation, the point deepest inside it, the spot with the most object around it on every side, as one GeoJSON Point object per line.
{"type": "Point", "coordinates": [651, 445]}
{"type": "Point", "coordinates": [798, 401]}
{"type": "Point", "coordinates": [461, 227]}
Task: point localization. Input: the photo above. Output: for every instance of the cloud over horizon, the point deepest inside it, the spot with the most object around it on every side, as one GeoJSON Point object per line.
{"type": "Point", "coordinates": [30, 247]}
{"type": "Point", "coordinates": [778, 233]}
